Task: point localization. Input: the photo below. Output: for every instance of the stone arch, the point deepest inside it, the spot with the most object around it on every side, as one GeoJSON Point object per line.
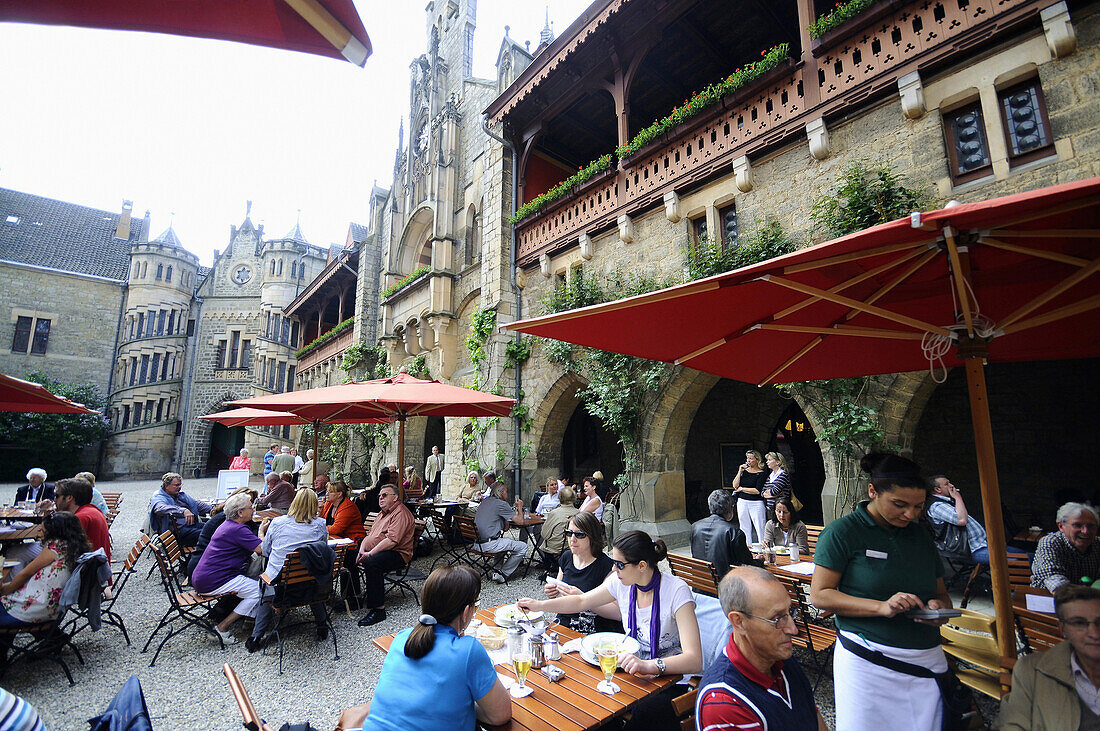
{"type": "Point", "coordinates": [416, 234]}
{"type": "Point", "coordinates": [667, 431]}
{"type": "Point", "coordinates": [906, 400]}
{"type": "Point", "coordinates": [472, 251]}
{"type": "Point", "coordinates": [197, 437]}
{"type": "Point", "coordinates": [556, 407]}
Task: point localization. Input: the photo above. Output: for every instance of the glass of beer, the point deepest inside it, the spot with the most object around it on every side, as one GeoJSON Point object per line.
{"type": "Point", "coordinates": [521, 662]}
{"type": "Point", "coordinates": [609, 661]}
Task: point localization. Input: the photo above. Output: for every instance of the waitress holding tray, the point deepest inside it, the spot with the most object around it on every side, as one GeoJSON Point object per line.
{"type": "Point", "coordinates": [873, 567]}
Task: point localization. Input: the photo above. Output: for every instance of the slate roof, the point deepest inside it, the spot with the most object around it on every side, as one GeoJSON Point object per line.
{"type": "Point", "coordinates": [358, 232]}
{"type": "Point", "coordinates": [295, 234]}
{"type": "Point", "coordinates": [169, 237]}
{"type": "Point", "coordinates": [59, 235]}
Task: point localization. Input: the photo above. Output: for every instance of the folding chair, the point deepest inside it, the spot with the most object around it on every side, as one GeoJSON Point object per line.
{"type": "Point", "coordinates": [452, 551]}
{"type": "Point", "coordinates": [400, 578]}
{"type": "Point", "coordinates": [188, 608]}
{"type": "Point", "coordinates": [46, 640]}
{"type": "Point", "coordinates": [684, 708]}
{"type": "Point", "coordinates": [971, 640]}
{"type": "Point", "coordinates": [485, 561]}
{"type": "Point", "coordinates": [817, 639]}
{"type": "Point", "coordinates": [813, 532]}
{"type": "Point", "coordinates": [294, 588]}
{"type": "Point", "coordinates": [106, 610]}
{"type": "Point", "coordinates": [250, 718]}
{"type": "Point", "coordinates": [700, 575]}
{"type": "Point", "coordinates": [1037, 631]}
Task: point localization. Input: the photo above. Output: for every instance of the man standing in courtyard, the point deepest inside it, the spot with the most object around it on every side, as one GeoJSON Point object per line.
{"type": "Point", "coordinates": [946, 508]}
{"type": "Point", "coordinates": [756, 684]}
{"type": "Point", "coordinates": [271, 452]}
{"type": "Point", "coordinates": [283, 462]}
{"type": "Point", "coordinates": [433, 473]}
{"type": "Point", "coordinates": [1068, 554]}
{"type": "Point", "coordinates": [1059, 690]}
{"type": "Point", "coordinates": [387, 547]}
{"type": "Point", "coordinates": [172, 508]}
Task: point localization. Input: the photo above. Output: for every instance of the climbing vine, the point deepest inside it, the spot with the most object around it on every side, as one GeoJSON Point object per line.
{"type": "Point", "coordinates": [708, 258]}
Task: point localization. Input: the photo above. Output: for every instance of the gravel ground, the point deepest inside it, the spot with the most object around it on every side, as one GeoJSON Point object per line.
{"type": "Point", "coordinates": [187, 689]}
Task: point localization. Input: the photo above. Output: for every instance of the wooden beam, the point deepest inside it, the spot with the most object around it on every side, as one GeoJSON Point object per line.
{"type": "Point", "coordinates": [856, 256]}
{"type": "Point", "coordinates": [1053, 292]}
{"type": "Point", "coordinates": [859, 332]}
{"type": "Point", "coordinates": [1054, 233]}
{"type": "Point", "coordinates": [1037, 253]}
{"type": "Point", "coordinates": [805, 349]}
{"type": "Point", "coordinates": [962, 290]}
{"type": "Point", "coordinates": [858, 305]}
{"type": "Point", "coordinates": [1061, 313]}
{"type": "Point", "coordinates": [889, 286]}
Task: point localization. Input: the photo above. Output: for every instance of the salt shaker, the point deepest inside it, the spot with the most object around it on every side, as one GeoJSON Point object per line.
{"type": "Point", "coordinates": [515, 640]}
{"type": "Point", "coordinates": [551, 648]}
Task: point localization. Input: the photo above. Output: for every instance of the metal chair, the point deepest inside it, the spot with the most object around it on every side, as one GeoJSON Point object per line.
{"type": "Point", "coordinates": [294, 588]}
{"type": "Point", "coordinates": [400, 578]}
{"type": "Point", "coordinates": [46, 640]}
{"type": "Point", "coordinates": [484, 561]}
{"type": "Point", "coordinates": [972, 641]}
{"type": "Point", "coordinates": [250, 718]}
{"type": "Point", "coordinates": [80, 619]}
{"type": "Point", "coordinates": [816, 638]}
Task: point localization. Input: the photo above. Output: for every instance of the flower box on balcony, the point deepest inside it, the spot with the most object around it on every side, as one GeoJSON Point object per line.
{"type": "Point", "coordinates": [576, 191]}
{"type": "Point", "coordinates": [829, 39]}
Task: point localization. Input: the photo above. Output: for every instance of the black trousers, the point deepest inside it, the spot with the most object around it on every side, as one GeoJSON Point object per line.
{"type": "Point", "coordinates": [375, 569]}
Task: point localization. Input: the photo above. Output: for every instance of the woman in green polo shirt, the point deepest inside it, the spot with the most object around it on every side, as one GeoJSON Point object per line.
{"type": "Point", "coordinates": [873, 566]}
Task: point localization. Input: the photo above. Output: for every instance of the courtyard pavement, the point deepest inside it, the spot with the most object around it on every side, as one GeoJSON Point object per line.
{"type": "Point", "coordinates": [187, 690]}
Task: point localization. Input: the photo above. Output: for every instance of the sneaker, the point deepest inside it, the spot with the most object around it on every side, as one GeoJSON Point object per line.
{"type": "Point", "coordinates": [498, 577]}
{"type": "Point", "coordinates": [227, 637]}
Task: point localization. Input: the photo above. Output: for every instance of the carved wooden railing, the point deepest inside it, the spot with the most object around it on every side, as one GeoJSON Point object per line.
{"type": "Point", "coordinates": [842, 70]}
{"type": "Point", "coordinates": [332, 348]}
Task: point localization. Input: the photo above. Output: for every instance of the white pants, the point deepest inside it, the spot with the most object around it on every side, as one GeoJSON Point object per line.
{"type": "Point", "coordinates": [870, 697]}
{"type": "Point", "coordinates": [247, 590]}
{"type": "Point", "coordinates": [751, 514]}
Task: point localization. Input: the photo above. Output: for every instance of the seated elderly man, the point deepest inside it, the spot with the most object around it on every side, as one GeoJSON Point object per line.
{"type": "Point", "coordinates": [553, 530]}
{"type": "Point", "coordinates": [1060, 689]}
{"type": "Point", "coordinates": [172, 509]}
{"type": "Point", "coordinates": [388, 546]}
{"type": "Point", "coordinates": [717, 538]}
{"type": "Point", "coordinates": [36, 489]}
{"type": "Point", "coordinates": [74, 495]}
{"type": "Point", "coordinates": [279, 493]}
{"type": "Point", "coordinates": [1068, 554]}
{"type": "Point", "coordinates": [493, 518]}
{"type": "Point", "coordinates": [756, 683]}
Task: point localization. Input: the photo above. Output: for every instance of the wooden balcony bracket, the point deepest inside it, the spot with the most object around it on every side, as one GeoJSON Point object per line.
{"type": "Point", "coordinates": [672, 206]}
{"type": "Point", "coordinates": [626, 229]}
{"type": "Point", "coordinates": [742, 174]}
{"type": "Point", "coordinates": [818, 136]}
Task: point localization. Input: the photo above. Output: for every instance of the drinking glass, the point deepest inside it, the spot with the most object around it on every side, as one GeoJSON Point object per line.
{"type": "Point", "coordinates": [521, 662]}
{"type": "Point", "coordinates": [794, 553]}
{"type": "Point", "coordinates": [609, 662]}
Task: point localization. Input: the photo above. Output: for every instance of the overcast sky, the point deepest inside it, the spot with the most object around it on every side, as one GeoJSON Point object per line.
{"type": "Point", "coordinates": [196, 127]}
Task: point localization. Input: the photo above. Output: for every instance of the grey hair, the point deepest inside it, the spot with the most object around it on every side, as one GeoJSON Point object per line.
{"type": "Point", "coordinates": [244, 452]}
{"type": "Point", "coordinates": [1070, 510]}
{"type": "Point", "coordinates": [473, 473]}
{"type": "Point", "coordinates": [500, 490]}
{"type": "Point", "coordinates": [271, 477]}
{"type": "Point", "coordinates": [235, 504]}
{"type": "Point", "coordinates": [735, 591]}
{"type": "Point", "coordinates": [309, 453]}
{"type": "Point", "coordinates": [36, 471]}
{"type": "Point", "coordinates": [720, 503]}
{"type": "Point", "coordinates": [285, 450]}
{"type": "Point", "coordinates": [490, 476]}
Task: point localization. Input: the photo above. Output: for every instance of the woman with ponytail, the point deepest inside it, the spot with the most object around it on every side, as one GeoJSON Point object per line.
{"type": "Point", "coordinates": [434, 677]}
{"type": "Point", "coordinates": [873, 566]}
{"type": "Point", "coordinates": [658, 611]}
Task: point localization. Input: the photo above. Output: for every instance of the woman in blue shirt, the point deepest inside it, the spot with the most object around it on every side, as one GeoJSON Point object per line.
{"type": "Point", "coordinates": [434, 677]}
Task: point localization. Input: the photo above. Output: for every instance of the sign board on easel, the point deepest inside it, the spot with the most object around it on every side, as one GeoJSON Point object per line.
{"type": "Point", "coordinates": [230, 480]}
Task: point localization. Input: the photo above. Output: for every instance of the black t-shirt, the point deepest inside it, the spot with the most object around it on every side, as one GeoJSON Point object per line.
{"type": "Point", "coordinates": [586, 579]}
{"type": "Point", "coordinates": [756, 480]}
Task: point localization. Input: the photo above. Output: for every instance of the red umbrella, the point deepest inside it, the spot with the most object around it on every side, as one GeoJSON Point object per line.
{"type": "Point", "coordinates": [261, 417]}
{"type": "Point", "coordinates": [323, 27]}
{"type": "Point", "coordinates": [27, 397]}
{"type": "Point", "coordinates": [1009, 279]}
{"type": "Point", "coordinates": [397, 397]}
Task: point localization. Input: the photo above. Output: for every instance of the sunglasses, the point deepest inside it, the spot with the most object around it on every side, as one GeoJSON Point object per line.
{"type": "Point", "coordinates": [578, 534]}
{"type": "Point", "coordinates": [620, 565]}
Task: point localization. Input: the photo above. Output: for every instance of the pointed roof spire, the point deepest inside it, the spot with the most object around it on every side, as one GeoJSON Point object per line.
{"type": "Point", "coordinates": [168, 236]}
{"type": "Point", "coordinates": [546, 37]}
{"type": "Point", "coordinates": [295, 233]}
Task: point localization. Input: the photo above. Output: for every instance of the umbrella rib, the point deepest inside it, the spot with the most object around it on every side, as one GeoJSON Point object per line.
{"type": "Point", "coordinates": [1060, 233]}
{"type": "Point", "coordinates": [856, 304]}
{"type": "Point", "coordinates": [848, 283]}
{"type": "Point", "coordinates": [889, 286]}
{"type": "Point", "coordinates": [859, 332]}
{"type": "Point", "coordinates": [959, 279]}
{"type": "Point", "coordinates": [856, 256]}
{"type": "Point", "coordinates": [329, 27]}
{"type": "Point", "coordinates": [1037, 253]}
{"type": "Point", "coordinates": [1061, 313]}
{"type": "Point", "coordinates": [1073, 205]}
{"type": "Point", "coordinates": [1053, 292]}
{"type": "Point", "coordinates": [806, 349]}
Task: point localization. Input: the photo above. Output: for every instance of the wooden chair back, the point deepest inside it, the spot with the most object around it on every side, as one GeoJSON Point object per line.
{"type": "Point", "coordinates": [972, 638]}
{"type": "Point", "coordinates": [467, 528]}
{"type": "Point", "coordinates": [368, 522]}
{"type": "Point", "coordinates": [684, 707]}
{"type": "Point", "coordinates": [414, 492]}
{"type": "Point", "coordinates": [700, 575]}
{"type": "Point", "coordinates": [1038, 631]}
{"type": "Point", "coordinates": [113, 500]}
{"type": "Point", "coordinates": [813, 532]}
{"type": "Point", "coordinates": [135, 553]}
{"type": "Point", "coordinates": [811, 636]}
{"type": "Point", "coordinates": [249, 716]}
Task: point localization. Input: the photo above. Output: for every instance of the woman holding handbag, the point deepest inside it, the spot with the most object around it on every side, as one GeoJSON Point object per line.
{"type": "Point", "coordinates": [873, 567]}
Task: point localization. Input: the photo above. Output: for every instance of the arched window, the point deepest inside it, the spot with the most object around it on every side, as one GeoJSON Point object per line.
{"type": "Point", "coordinates": [293, 270]}
{"type": "Point", "coordinates": [273, 267]}
{"type": "Point", "coordinates": [302, 271]}
{"type": "Point", "coordinates": [279, 269]}
{"type": "Point", "coordinates": [425, 258]}
{"type": "Point", "coordinates": [473, 236]}
{"type": "Point", "coordinates": [160, 272]}
{"type": "Point", "coordinates": [168, 275]}
{"type": "Point", "coordinates": [144, 269]}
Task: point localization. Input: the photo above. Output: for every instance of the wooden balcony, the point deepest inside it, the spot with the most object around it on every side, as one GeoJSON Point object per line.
{"type": "Point", "coordinates": [331, 349]}
{"type": "Point", "coordinates": [850, 66]}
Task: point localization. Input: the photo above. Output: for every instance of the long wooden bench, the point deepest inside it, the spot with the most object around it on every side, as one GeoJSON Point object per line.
{"type": "Point", "coordinates": [700, 575]}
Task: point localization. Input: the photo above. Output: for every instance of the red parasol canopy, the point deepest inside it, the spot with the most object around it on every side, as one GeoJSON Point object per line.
{"type": "Point", "coordinates": [396, 397]}
{"type": "Point", "coordinates": [28, 397]}
{"type": "Point", "coordinates": [1008, 279]}
{"type": "Point", "coordinates": [260, 417]}
{"type": "Point", "coordinates": [323, 27]}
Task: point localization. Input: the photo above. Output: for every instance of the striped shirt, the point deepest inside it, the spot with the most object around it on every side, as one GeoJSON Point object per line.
{"type": "Point", "coordinates": [942, 510]}
{"type": "Point", "coordinates": [18, 715]}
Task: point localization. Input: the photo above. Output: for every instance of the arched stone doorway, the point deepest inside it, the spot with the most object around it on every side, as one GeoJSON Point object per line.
{"type": "Point", "coordinates": [225, 444]}
{"type": "Point", "coordinates": [731, 418]}
{"type": "Point", "coordinates": [587, 446]}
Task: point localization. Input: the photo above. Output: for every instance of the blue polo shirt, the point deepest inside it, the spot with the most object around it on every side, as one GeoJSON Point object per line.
{"type": "Point", "coordinates": [435, 692]}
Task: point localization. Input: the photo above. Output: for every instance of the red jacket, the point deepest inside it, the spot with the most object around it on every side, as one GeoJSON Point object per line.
{"type": "Point", "coordinates": [95, 525]}
{"type": "Point", "coordinates": [346, 523]}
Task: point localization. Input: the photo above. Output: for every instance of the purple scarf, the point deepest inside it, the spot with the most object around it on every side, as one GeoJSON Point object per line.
{"type": "Point", "coordinates": [654, 585]}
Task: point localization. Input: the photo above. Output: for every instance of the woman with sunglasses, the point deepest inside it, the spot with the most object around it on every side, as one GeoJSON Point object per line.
{"type": "Point", "coordinates": [584, 567]}
{"type": "Point", "coordinates": [659, 612]}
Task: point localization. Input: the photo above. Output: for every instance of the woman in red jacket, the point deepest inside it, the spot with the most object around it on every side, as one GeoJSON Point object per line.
{"type": "Point", "coordinates": [345, 521]}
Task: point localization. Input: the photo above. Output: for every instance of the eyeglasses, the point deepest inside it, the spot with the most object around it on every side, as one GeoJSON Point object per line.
{"type": "Point", "coordinates": [794, 615]}
{"type": "Point", "coordinates": [1081, 624]}
{"type": "Point", "coordinates": [578, 534]}
{"type": "Point", "coordinates": [620, 565]}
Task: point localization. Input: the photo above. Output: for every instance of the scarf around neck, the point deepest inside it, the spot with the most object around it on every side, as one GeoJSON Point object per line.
{"type": "Point", "coordinates": [654, 585]}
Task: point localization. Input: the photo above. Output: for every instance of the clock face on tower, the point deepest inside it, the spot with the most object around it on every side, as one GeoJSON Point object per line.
{"type": "Point", "coordinates": [242, 274]}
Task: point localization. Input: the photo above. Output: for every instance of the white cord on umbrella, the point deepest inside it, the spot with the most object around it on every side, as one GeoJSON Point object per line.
{"type": "Point", "coordinates": [936, 346]}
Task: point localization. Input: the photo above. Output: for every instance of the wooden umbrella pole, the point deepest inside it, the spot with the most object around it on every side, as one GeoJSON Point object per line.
{"type": "Point", "coordinates": [973, 357]}
{"type": "Point", "coordinates": [401, 444]}
{"type": "Point", "coordinates": [316, 454]}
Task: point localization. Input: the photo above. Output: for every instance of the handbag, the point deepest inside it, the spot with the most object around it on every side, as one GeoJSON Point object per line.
{"type": "Point", "coordinates": [795, 502]}
{"type": "Point", "coordinates": [952, 541]}
{"type": "Point", "coordinates": [958, 700]}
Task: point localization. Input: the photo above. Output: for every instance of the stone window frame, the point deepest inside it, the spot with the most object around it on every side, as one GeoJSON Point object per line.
{"type": "Point", "coordinates": [1006, 90]}
{"type": "Point", "coordinates": [718, 209]}
{"type": "Point", "coordinates": [36, 342]}
{"type": "Point", "coordinates": [24, 329]}
{"type": "Point", "coordinates": [972, 104]}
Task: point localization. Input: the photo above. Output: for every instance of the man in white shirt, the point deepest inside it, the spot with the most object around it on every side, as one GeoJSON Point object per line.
{"type": "Point", "coordinates": [1060, 688]}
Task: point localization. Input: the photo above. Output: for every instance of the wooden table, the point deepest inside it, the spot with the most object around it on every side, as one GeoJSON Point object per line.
{"type": "Point", "coordinates": [573, 703]}
{"type": "Point", "coordinates": [1029, 538]}
{"type": "Point", "coordinates": [18, 536]}
{"type": "Point", "coordinates": [18, 514]}
{"type": "Point", "coordinates": [781, 561]}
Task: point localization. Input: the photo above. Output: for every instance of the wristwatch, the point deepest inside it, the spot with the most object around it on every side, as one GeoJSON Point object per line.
{"type": "Point", "coordinates": [660, 665]}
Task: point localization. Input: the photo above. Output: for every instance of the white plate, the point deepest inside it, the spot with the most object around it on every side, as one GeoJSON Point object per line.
{"type": "Point", "coordinates": [592, 641]}
{"type": "Point", "coordinates": [782, 551]}
{"type": "Point", "coordinates": [507, 615]}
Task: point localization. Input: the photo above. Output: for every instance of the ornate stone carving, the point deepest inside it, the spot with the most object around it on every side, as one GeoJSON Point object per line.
{"type": "Point", "coordinates": [544, 265]}
{"type": "Point", "coordinates": [626, 229]}
{"type": "Point", "coordinates": [588, 248]}
{"type": "Point", "coordinates": [1061, 38]}
{"type": "Point", "coordinates": [521, 278]}
{"type": "Point", "coordinates": [818, 136]}
{"type": "Point", "coordinates": [912, 95]}
{"type": "Point", "coordinates": [672, 206]}
{"type": "Point", "coordinates": [742, 174]}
